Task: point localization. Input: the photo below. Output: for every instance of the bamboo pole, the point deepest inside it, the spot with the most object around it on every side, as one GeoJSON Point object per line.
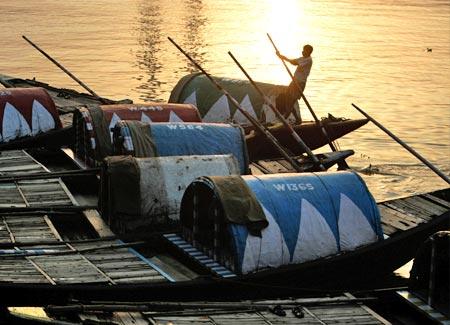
{"type": "Point", "coordinates": [404, 145]}
{"type": "Point", "coordinates": [343, 164]}
{"type": "Point", "coordinates": [261, 128]}
{"type": "Point", "coordinates": [294, 134]}
{"type": "Point", "coordinates": [82, 84]}
{"type": "Point", "coordinates": [224, 305]}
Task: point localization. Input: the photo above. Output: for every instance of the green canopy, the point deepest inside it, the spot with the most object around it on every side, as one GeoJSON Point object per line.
{"type": "Point", "coordinates": [213, 105]}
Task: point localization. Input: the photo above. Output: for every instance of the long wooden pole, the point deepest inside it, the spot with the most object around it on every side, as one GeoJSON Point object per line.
{"type": "Point", "coordinates": [261, 128]}
{"type": "Point", "coordinates": [155, 306]}
{"type": "Point", "coordinates": [294, 134]}
{"type": "Point", "coordinates": [82, 84]}
{"type": "Point", "coordinates": [343, 164]}
{"type": "Point", "coordinates": [404, 145]}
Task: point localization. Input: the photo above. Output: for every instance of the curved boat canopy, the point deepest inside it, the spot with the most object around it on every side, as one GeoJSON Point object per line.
{"type": "Point", "coordinates": [301, 217]}
{"type": "Point", "coordinates": [93, 138]}
{"type": "Point", "coordinates": [26, 112]}
{"type": "Point", "coordinates": [181, 139]}
{"type": "Point", "coordinates": [213, 105]}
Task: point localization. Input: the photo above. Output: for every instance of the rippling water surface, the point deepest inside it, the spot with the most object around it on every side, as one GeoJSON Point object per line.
{"type": "Point", "coordinates": [371, 53]}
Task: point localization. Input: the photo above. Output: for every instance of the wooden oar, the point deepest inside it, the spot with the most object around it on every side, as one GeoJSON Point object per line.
{"type": "Point", "coordinates": [82, 84]}
{"type": "Point", "coordinates": [261, 128]}
{"type": "Point", "coordinates": [404, 145]}
{"type": "Point", "coordinates": [294, 134]}
{"type": "Point", "coordinates": [343, 164]}
{"type": "Point", "coordinates": [155, 306]}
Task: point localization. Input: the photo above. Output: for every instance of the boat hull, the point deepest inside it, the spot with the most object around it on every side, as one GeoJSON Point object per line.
{"type": "Point", "coordinates": [260, 148]}
{"type": "Point", "coordinates": [342, 272]}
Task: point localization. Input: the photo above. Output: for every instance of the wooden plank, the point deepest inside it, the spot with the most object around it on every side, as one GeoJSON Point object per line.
{"type": "Point", "coordinates": [133, 274]}
{"type": "Point", "coordinates": [120, 264]}
{"type": "Point", "coordinates": [272, 166]}
{"type": "Point", "coordinates": [152, 279]}
{"type": "Point", "coordinates": [17, 168]}
{"type": "Point", "coordinates": [8, 230]}
{"type": "Point", "coordinates": [40, 270]}
{"type": "Point", "coordinates": [98, 223]}
{"type": "Point", "coordinates": [388, 229]}
{"type": "Point", "coordinates": [22, 195]}
{"type": "Point", "coordinates": [422, 213]}
{"type": "Point", "coordinates": [255, 169]}
{"type": "Point", "coordinates": [400, 208]}
{"type": "Point", "coordinates": [52, 228]}
{"type": "Point", "coordinates": [437, 200]}
{"type": "Point", "coordinates": [66, 190]}
{"type": "Point", "coordinates": [172, 267]}
{"type": "Point", "coordinates": [288, 167]}
{"type": "Point", "coordinates": [426, 205]}
{"type": "Point", "coordinates": [398, 220]}
{"type": "Point", "coordinates": [378, 317]}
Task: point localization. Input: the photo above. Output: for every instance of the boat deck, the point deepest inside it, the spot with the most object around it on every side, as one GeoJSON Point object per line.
{"type": "Point", "coordinates": [406, 213]}
{"type": "Point", "coordinates": [29, 193]}
{"type": "Point", "coordinates": [33, 249]}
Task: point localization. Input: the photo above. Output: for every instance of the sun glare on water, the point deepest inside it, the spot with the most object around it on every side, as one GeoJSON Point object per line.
{"type": "Point", "coordinates": [287, 24]}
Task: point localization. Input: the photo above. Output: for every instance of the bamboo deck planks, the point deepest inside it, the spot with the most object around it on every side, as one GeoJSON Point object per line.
{"type": "Point", "coordinates": [407, 213]}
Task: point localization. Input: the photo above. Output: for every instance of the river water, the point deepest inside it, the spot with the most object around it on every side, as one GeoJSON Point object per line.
{"type": "Point", "coordinates": [391, 58]}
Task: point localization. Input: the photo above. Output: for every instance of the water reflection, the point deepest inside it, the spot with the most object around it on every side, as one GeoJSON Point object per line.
{"type": "Point", "coordinates": [193, 38]}
{"type": "Point", "coordinates": [183, 21]}
{"type": "Point", "coordinates": [147, 56]}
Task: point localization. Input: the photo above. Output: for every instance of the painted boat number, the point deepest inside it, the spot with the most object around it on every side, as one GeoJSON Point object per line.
{"type": "Point", "coordinates": [145, 108]}
{"type": "Point", "coordinates": [5, 93]}
{"type": "Point", "coordinates": [294, 187]}
{"type": "Point", "coordinates": [184, 127]}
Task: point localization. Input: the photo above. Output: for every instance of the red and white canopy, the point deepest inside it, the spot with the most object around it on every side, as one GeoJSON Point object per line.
{"type": "Point", "coordinates": [26, 112]}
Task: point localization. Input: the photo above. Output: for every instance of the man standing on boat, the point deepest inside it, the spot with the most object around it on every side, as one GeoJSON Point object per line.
{"type": "Point", "coordinates": [285, 102]}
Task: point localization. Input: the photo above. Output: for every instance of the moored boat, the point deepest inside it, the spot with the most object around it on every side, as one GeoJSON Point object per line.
{"type": "Point", "coordinates": [80, 258]}
{"type": "Point", "coordinates": [57, 237]}
{"type": "Point", "coordinates": [428, 292]}
{"type": "Point", "coordinates": [214, 106]}
{"type": "Point", "coordinates": [68, 101]}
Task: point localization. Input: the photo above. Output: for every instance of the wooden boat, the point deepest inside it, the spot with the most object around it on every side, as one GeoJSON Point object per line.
{"type": "Point", "coordinates": [196, 89]}
{"type": "Point", "coordinates": [343, 308]}
{"type": "Point", "coordinates": [57, 247]}
{"type": "Point", "coordinates": [67, 101]}
{"type": "Point", "coordinates": [428, 293]}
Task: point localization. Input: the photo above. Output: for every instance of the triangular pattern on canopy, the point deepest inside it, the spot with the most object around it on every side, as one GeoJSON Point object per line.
{"type": "Point", "coordinates": [315, 238]}
{"type": "Point", "coordinates": [41, 119]}
{"type": "Point", "coordinates": [191, 99]}
{"type": "Point", "coordinates": [174, 117]}
{"type": "Point", "coordinates": [219, 112]}
{"type": "Point", "coordinates": [269, 250]}
{"type": "Point", "coordinates": [145, 118]}
{"type": "Point", "coordinates": [14, 124]}
{"type": "Point", "coordinates": [246, 104]}
{"type": "Point", "coordinates": [115, 118]}
{"type": "Point", "coordinates": [354, 228]}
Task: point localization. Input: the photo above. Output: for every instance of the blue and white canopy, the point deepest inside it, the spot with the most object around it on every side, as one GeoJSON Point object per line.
{"type": "Point", "coordinates": [184, 139]}
{"type": "Point", "coordinates": [310, 215]}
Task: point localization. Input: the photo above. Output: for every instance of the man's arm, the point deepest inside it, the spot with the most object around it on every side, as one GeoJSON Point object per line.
{"type": "Point", "coordinates": [291, 61]}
